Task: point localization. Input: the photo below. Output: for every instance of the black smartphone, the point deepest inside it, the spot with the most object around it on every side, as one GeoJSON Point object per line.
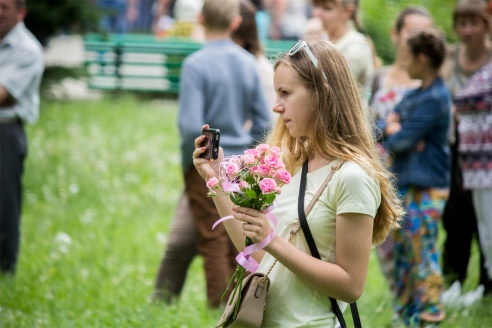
{"type": "Point", "coordinates": [211, 142]}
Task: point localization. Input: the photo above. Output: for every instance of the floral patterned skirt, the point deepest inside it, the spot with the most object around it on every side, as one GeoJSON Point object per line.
{"type": "Point", "coordinates": [418, 278]}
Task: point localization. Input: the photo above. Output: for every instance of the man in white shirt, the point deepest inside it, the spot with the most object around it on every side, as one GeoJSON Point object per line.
{"type": "Point", "coordinates": [21, 69]}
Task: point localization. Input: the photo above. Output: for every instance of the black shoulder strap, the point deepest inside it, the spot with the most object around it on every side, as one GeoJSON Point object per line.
{"type": "Point", "coordinates": [315, 253]}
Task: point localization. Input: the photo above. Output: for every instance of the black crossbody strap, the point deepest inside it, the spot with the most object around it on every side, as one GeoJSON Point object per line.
{"type": "Point", "coordinates": [302, 215]}
{"type": "Point", "coordinates": [310, 239]}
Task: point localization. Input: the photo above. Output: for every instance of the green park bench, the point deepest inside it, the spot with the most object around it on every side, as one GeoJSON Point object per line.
{"type": "Point", "coordinates": [143, 62]}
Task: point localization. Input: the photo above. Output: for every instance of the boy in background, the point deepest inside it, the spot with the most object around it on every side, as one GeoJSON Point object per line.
{"type": "Point", "coordinates": [219, 86]}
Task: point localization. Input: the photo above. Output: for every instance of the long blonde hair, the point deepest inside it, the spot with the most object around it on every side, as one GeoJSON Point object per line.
{"type": "Point", "coordinates": [339, 126]}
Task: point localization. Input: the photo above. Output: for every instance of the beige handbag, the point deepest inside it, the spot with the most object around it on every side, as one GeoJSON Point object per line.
{"type": "Point", "coordinates": [252, 304]}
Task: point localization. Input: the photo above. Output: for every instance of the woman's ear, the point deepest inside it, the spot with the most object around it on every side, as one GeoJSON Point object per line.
{"type": "Point", "coordinates": [236, 22]}
{"type": "Point", "coordinates": [423, 59]}
{"type": "Point", "coordinates": [394, 35]}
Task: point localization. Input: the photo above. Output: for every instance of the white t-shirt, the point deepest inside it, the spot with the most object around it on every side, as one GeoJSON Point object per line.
{"type": "Point", "coordinates": [358, 53]}
{"type": "Point", "coordinates": [291, 303]}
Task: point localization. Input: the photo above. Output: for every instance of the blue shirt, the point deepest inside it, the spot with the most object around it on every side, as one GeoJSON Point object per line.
{"type": "Point", "coordinates": [21, 70]}
{"type": "Point", "coordinates": [424, 115]}
{"type": "Point", "coordinates": [220, 86]}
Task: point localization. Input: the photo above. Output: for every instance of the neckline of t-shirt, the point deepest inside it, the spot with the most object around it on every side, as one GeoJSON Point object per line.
{"type": "Point", "coordinates": [324, 168]}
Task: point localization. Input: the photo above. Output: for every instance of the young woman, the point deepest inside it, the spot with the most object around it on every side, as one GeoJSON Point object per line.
{"type": "Point", "coordinates": [471, 56]}
{"type": "Point", "coordinates": [391, 82]}
{"type": "Point", "coordinates": [321, 123]}
{"type": "Point", "coordinates": [389, 85]}
{"type": "Point", "coordinates": [338, 19]}
{"type": "Point", "coordinates": [423, 171]}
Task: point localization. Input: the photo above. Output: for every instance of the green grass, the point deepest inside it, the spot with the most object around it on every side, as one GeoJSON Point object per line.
{"type": "Point", "coordinates": [107, 175]}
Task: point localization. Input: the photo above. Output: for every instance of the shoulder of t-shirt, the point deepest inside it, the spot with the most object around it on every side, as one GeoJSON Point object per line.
{"type": "Point", "coordinates": [353, 173]}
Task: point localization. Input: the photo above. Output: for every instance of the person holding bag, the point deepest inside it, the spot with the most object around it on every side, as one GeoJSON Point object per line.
{"type": "Point", "coordinates": [321, 126]}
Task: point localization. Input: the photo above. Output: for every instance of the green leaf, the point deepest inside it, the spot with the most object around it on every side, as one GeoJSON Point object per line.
{"type": "Point", "coordinates": [269, 198]}
{"type": "Point", "coordinates": [250, 179]}
{"type": "Point", "coordinates": [240, 200]}
{"type": "Point", "coordinates": [250, 194]}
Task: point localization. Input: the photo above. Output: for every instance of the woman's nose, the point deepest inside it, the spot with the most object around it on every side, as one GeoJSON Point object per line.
{"type": "Point", "coordinates": [277, 107]}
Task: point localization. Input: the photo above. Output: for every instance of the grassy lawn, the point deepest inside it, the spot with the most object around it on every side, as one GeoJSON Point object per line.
{"type": "Point", "coordinates": [101, 184]}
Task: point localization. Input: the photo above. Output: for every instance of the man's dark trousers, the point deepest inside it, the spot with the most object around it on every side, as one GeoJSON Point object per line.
{"type": "Point", "coordinates": [13, 150]}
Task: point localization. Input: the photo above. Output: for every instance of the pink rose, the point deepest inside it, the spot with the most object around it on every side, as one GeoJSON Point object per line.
{"type": "Point", "coordinates": [280, 166]}
{"type": "Point", "coordinates": [264, 170]}
{"type": "Point", "coordinates": [262, 148]}
{"type": "Point", "coordinates": [212, 183]}
{"type": "Point", "coordinates": [278, 190]}
{"type": "Point", "coordinates": [249, 159]}
{"type": "Point", "coordinates": [271, 161]}
{"type": "Point", "coordinates": [234, 159]}
{"type": "Point", "coordinates": [253, 152]}
{"type": "Point", "coordinates": [232, 169]}
{"type": "Point", "coordinates": [283, 176]}
{"type": "Point", "coordinates": [243, 185]}
{"type": "Point", "coordinates": [275, 151]}
{"type": "Point", "coordinates": [267, 186]}
{"type": "Point", "coordinates": [254, 170]}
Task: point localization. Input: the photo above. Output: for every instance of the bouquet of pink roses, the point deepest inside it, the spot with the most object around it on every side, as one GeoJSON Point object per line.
{"type": "Point", "coordinates": [251, 180]}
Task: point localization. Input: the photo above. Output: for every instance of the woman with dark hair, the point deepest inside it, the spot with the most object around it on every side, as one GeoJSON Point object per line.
{"type": "Point", "coordinates": [389, 85]}
{"type": "Point", "coordinates": [423, 175]}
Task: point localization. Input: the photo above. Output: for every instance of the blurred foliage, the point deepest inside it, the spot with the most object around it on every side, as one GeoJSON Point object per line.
{"type": "Point", "coordinates": [54, 75]}
{"type": "Point", "coordinates": [46, 18]}
{"type": "Point", "coordinates": [378, 18]}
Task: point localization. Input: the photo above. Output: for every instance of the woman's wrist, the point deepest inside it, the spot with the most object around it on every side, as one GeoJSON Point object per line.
{"type": "Point", "coordinates": [273, 245]}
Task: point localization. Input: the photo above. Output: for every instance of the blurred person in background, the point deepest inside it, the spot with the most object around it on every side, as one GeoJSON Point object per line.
{"type": "Point", "coordinates": [423, 177]}
{"type": "Point", "coordinates": [288, 19]}
{"type": "Point", "coordinates": [179, 19]}
{"type": "Point", "coordinates": [219, 85]}
{"type": "Point", "coordinates": [21, 70]}
{"type": "Point", "coordinates": [117, 15]}
{"type": "Point", "coordinates": [338, 18]}
{"type": "Point", "coordinates": [182, 246]}
{"type": "Point", "coordinates": [263, 20]}
{"type": "Point", "coordinates": [389, 85]}
{"type": "Point", "coordinates": [470, 57]}
{"type": "Point", "coordinates": [144, 19]}
{"type": "Point", "coordinates": [163, 17]}
{"type": "Point", "coordinates": [247, 37]}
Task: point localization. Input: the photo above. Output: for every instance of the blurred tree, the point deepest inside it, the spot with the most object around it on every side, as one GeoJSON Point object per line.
{"type": "Point", "coordinates": [378, 17]}
{"type": "Point", "coordinates": [46, 18]}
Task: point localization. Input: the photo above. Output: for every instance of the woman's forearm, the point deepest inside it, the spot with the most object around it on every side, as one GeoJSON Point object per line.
{"type": "Point", "coordinates": [327, 278]}
{"type": "Point", "coordinates": [224, 207]}
{"type": "Point", "coordinates": [343, 280]}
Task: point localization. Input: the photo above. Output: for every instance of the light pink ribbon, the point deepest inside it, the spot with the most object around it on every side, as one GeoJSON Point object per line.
{"type": "Point", "coordinates": [244, 258]}
{"type": "Point", "coordinates": [230, 186]}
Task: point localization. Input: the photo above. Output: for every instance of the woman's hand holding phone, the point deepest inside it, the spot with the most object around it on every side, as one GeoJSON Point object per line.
{"type": "Point", "coordinates": [206, 167]}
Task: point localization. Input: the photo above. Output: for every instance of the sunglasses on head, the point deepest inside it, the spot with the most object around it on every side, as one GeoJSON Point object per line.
{"type": "Point", "coordinates": [301, 45]}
